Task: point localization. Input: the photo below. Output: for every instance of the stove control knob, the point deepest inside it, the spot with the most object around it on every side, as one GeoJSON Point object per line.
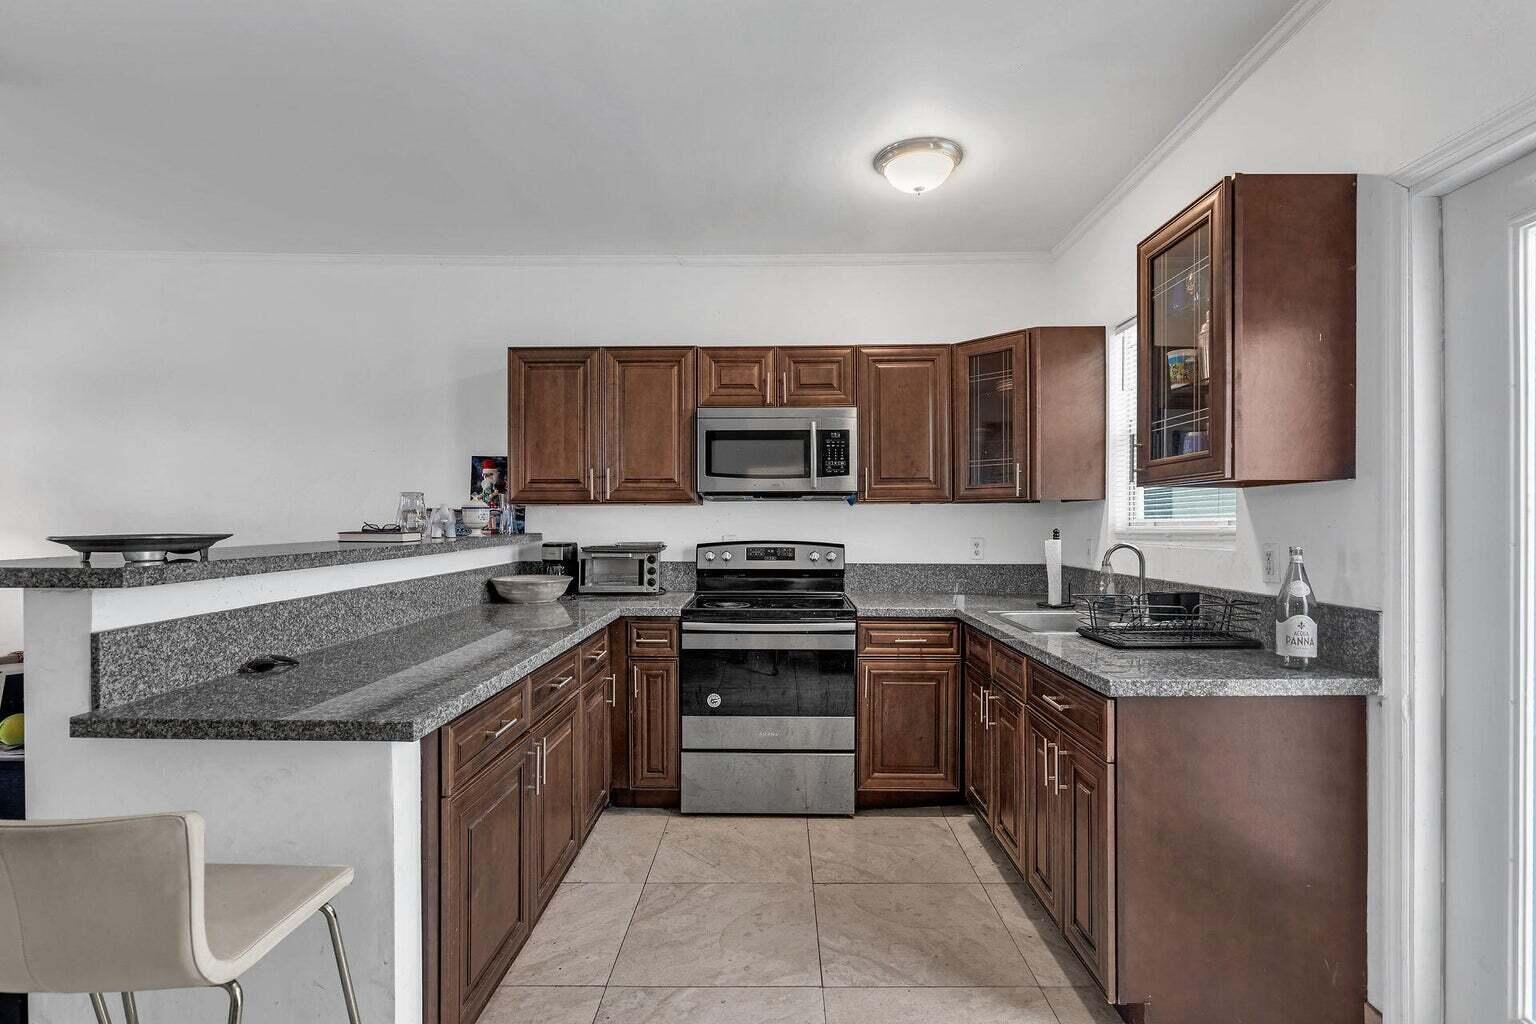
{"type": "Point", "coordinates": [709, 556]}
{"type": "Point", "coordinates": [831, 556]}
{"type": "Point", "coordinates": [815, 557]}
{"type": "Point", "coordinates": [726, 556]}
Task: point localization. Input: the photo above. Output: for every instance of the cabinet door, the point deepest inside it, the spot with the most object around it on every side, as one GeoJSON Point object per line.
{"type": "Point", "coordinates": [991, 395]}
{"type": "Point", "coordinates": [908, 726]}
{"type": "Point", "coordinates": [1087, 830]}
{"type": "Point", "coordinates": [596, 748]}
{"type": "Point", "coordinates": [904, 423]}
{"type": "Point", "coordinates": [977, 739]}
{"type": "Point", "coordinates": [557, 832]}
{"type": "Point", "coordinates": [816, 377]}
{"type": "Point", "coordinates": [553, 424]}
{"type": "Point", "coordinates": [648, 453]}
{"type": "Point", "coordinates": [487, 833]}
{"type": "Point", "coordinates": [1183, 337]}
{"type": "Point", "coordinates": [655, 735]}
{"type": "Point", "coordinates": [737, 377]}
{"type": "Point", "coordinates": [1065, 447]}
{"type": "Point", "coordinates": [1042, 816]}
{"type": "Point", "coordinates": [1010, 761]}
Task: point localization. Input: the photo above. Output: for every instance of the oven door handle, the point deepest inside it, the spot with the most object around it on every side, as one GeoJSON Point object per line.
{"type": "Point", "coordinates": [815, 456]}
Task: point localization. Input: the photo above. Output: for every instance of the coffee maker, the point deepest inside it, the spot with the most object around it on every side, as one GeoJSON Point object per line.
{"type": "Point", "coordinates": [560, 560]}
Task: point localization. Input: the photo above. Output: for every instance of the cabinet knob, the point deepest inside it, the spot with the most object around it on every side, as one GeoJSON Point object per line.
{"type": "Point", "coordinates": [726, 556]}
{"type": "Point", "coordinates": [815, 557]}
{"type": "Point", "coordinates": [709, 556]}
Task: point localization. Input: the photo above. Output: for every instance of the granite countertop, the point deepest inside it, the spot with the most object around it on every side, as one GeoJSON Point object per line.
{"type": "Point", "coordinates": [1121, 673]}
{"type": "Point", "coordinates": [398, 685]}
{"type": "Point", "coordinates": [110, 571]}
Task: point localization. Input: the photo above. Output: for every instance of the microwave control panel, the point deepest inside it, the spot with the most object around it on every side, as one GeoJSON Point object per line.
{"type": "Point", "coordinates": [832, 458]}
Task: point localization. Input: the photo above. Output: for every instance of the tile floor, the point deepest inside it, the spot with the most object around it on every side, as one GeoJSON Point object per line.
{"type": "Point", "coordinates": [913, 917]}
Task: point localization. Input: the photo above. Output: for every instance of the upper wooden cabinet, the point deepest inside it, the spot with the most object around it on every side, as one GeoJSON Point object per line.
{"type": "Point", "coordinates": [762, 377]}
{"type": "Point", "coordinates": [1246, 334]}
{"type": "Point", "coordinates": [588, 425]}
{"type": "Point", "coordinates": [904, 423]}
{"type": "Point", "coordinates": [1029, 416]}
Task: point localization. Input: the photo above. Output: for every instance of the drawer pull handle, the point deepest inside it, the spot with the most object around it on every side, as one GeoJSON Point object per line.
{"type": "Point", "coordinates": [911, 640]}
{"type": "Point", "coordinates": [613, 693]}
{"type": "Point", "coordinates": [643, 640]}
{"type": "Point", "coordinates": [563, 681]}
{"type": "Point", "coordinates": [598, 655]}
{"type": "Point", "coordinates": [1056, 702]}
{"type": "Point", "coordinates": [498, 733]}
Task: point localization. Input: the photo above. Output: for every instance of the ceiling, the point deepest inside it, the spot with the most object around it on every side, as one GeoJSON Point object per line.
{"type": "Point", "coordinates": [585, 127]}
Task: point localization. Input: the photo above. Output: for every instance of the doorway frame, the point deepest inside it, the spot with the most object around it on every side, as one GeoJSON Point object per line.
{"type": "Point", "coordinates": [1413, 621]}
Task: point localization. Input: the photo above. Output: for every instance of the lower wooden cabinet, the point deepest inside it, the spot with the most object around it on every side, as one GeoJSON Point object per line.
{"type": "Point", "coordinates": [557, 799]}
{"type": "Point", "coordinates": [1010, 751]}
{"type": "Point", "coordinates": [908, 725]}
{"type": "Point", "coordinates": [980, 753]}
{"type": "Point", "coordinates": [486, 910]}
{"type": "Point", "coordinates": [597, 702]}
{"type": "Point", "coordinates": [1086, 800]}
{"type": "Point", "coordinates": [1041, 860]}
{"type": "Point", "coordinates": [655, 727]}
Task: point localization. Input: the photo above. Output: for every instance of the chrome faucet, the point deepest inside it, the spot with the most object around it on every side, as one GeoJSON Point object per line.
{"type": "Point", "coordinates": [1107, 583]}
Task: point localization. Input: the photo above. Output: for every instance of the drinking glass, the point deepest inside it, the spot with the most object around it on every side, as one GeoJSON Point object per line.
{"type": "Point", "coordinates": [413, 511]}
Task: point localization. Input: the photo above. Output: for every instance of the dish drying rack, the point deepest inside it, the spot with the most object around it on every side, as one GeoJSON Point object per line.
{"type": "Point", "coordinates": [1177, 619]}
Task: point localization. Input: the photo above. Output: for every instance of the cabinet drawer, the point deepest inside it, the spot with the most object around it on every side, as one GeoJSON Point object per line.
{"type": "Point", "coordinates": [549, 684]}
{"type": "Point", "coordinates": [652, 638]}
{"type": "Point", "coordinates": [1008, 665]}
{"type": "Point", "coordinates": [475, 738]}
{"type": "Point", "coordinates": [1074, 706]}
{"type": "Point", "coordinates": [978, 651]}
{"type": "Point", "coordinates": [594, 658]}
{"type": "Point", "coordinates": [895, 638]}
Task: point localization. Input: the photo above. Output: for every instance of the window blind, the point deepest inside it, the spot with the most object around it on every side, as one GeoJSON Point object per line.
{"type": "Point", "coordinates": [1170, 509]}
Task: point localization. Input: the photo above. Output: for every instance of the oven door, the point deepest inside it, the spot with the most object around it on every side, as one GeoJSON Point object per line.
{"type": "Point", "coordinates": [744, 453]}
{"type": "Point", "coordinates": [768, 690]}
{"type": "Point", "coordinates": [617, 574]}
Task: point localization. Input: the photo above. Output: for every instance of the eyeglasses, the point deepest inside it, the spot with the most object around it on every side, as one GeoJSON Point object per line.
{"type": "Point", "coordinates": [386, 528]}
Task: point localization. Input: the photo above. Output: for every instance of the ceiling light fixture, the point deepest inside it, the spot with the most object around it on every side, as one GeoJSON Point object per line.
{"type": "Point", "coordinates": [916, 166]}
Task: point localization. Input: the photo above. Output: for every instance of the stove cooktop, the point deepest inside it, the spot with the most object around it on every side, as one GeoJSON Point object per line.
{"type": "Point", "coordinates": [774, 607]}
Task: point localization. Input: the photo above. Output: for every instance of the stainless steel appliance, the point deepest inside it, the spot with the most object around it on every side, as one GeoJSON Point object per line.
{"type": "Point", "coordinates": [621, 568]}
{"type": "Point", "coordinates": [777, 453]}
{"type": "Point", "coordinates": [768, 680]}
{"type": "Point", "coordinates": [560, 559]}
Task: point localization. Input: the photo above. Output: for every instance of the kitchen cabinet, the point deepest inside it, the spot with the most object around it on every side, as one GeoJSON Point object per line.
{"type": "Point", "coordinates": [1085, 791]}
{"type": "Point", "coordinates": [908, 725]}
{"type": "Point", "coordinates": [648, 436]}
{"type": "Point", "coordinates": [980, 752]}
{"type": "Point", "coordinates": [1041, 865]}
{"type": "Point", "coordinates": [594, 425]}
{"type": "Point", "coordinates": [486, 909]}
{"type": "Point", "coordinates": [655, 738]}
{"type": "Point", "coordinates": [557, 804]}
{"type": "Point", "coordinates": [554, 424]}
{"type": "Point", "coordinates": [1246, 335]}
{"type": "Point", "coordinates": [597, 701]}
{"type": "Point", "coordinates": [905, 426]}
{"type": "Point", "coordinates": [763, 377]}
{"type": "Point", "coordinates": [1009, 758]}
{"type": "Point", "coordinates": [1029, 415]}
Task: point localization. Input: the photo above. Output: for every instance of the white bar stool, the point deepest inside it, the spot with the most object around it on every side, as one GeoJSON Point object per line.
{"type": "Point", "coordinates": [129, 905]}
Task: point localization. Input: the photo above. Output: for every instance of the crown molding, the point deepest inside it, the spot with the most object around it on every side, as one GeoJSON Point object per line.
{"type": "Point", "coordinates": [1505, 135]}
{"type": "Point", "coordinates": [901, 259]}
{"type": "Point", "coordinates": [1279, 34]}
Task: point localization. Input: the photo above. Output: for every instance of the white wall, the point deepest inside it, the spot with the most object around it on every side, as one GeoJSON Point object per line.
{"type": "Point", "coordinates": [282, 399]}
{"type": "Point", "coordinates": [1365, 86]}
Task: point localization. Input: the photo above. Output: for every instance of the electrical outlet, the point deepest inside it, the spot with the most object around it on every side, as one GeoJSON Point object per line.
{"type": "Point", "coordinates": [978, 549]}
{"type": "Point", "coordinates": [1271, 563]}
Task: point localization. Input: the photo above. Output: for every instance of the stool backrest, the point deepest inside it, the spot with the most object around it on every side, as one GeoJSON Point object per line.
{"type": "Point", "coordinates": [102, 905]}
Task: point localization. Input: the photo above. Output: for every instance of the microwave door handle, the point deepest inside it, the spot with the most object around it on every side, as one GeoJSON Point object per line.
{"type": "Point", "coordinates": [815, 455]}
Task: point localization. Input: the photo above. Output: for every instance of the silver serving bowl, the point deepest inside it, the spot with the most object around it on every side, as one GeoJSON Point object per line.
{"type": "Point", "coordinates": [530, 588]}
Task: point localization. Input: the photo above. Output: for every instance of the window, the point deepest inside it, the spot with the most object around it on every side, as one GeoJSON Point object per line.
{"type": "Point", "coordinates": [1182, 511]}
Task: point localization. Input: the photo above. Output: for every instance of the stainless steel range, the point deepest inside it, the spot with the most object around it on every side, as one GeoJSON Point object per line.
{"type": "Point", "coordinates": [768, 678]}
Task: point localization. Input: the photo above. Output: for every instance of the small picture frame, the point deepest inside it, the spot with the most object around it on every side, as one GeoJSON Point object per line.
{"type": "Point", "coordinates": [488, 478]}
{"type": "Point", "coordinates": [1181, 367]}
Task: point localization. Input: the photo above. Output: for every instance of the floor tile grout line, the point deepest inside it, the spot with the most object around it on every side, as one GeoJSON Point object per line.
{"type": "Point", "coordinates": [821, 971]}
{"type": "Point", "coordinates": [963, 851]}
{"type": "Point", "coordinates": [1012, 937]}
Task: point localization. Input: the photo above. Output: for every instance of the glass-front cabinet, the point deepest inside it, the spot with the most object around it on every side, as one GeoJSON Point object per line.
{"type": "Point", "coordinates": [991, 418]}
{"type": "Point", "coordinates": [1183, 323]}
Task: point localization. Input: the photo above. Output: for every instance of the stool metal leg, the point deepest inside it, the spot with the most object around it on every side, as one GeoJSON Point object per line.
{"type": "Point", "coordinates": [130, 1008]}
{"type": "Point", "coordinates": [99, 1004]}
{"type": "Point", "coordinates": [236, 1001]}
{"type": "Point", "coordinates": [341, 964]}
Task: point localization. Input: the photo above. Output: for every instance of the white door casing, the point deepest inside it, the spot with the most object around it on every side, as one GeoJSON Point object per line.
{"type": "Point", "coordinates": [1489, 240]}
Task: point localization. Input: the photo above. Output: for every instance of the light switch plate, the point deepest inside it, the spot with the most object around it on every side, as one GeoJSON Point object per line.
{"type": "Point", "coordinates": [978, 549]}
{"type": "Point", "coordinates": [1271, 563]}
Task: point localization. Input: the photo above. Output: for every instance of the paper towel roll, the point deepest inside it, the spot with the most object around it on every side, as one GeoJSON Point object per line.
{"type": "Point", "coordinates": [1053, 572]}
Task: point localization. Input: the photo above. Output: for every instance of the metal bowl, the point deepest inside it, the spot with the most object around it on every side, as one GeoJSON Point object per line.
{"type": "Point", "coordinates": [530, 588]}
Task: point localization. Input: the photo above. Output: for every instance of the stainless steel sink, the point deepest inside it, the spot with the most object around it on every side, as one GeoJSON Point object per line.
{"type": "Point", "coordinates": [1044, 620]}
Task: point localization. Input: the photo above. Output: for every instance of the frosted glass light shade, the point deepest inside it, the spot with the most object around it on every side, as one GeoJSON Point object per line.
{"type": "Point", "coordinates": [916, 166]}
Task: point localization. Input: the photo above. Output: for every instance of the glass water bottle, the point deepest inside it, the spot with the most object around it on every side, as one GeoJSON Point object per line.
{"type": "Point", "coordinates": [1296, 617]}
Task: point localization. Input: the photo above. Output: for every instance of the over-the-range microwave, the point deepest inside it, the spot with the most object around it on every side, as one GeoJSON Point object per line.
{"type": "Point", "coordinates": [778, 453]}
